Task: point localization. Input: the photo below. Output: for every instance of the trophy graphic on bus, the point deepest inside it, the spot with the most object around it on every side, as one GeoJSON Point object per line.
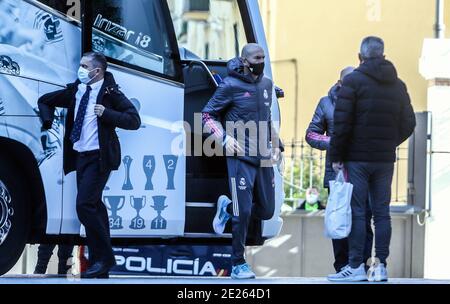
{"type": "Point", "coordinates": [159, 205]}
{"type": "Point", "coordinates": [170, 162]}
{"type": "Point", "coordinates": [149, 168]}
{"type": "Point", "coordinates": [127, 182]}
{"type": "Point", "coordinates": [114, 203]}
{"type": "Point", "coordinates": [137, 203]}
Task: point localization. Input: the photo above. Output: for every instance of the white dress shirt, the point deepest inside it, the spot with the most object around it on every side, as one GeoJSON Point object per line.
{"type": "Point", "coordinates": [89, 132]}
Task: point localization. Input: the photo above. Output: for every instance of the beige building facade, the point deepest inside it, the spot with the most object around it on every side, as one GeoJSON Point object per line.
{"type": "Point", "coordinates": [319, 38]}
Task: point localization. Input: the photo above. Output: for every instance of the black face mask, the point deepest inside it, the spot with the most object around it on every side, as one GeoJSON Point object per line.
{"type": "Point", "coordinates": [256, 69]}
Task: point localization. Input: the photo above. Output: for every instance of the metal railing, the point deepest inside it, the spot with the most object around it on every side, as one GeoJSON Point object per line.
{"type": "Point", "coordinates": [304, 167]}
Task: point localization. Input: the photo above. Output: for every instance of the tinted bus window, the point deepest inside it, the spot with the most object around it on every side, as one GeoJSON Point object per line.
{"type": "Point", "coordinates": [210, 29]}
{"type": "Point", "coordinates": [134, 33]}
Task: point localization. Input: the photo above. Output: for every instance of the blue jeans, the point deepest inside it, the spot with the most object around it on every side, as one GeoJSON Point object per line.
{"type": "Point", "coordinates": [340, 246]}
{"type": "Point", "coordinates": [370, 181]}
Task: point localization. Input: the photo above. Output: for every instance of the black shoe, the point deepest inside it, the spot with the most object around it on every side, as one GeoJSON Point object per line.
{"type": "Point", "coordinates": [97, 270]}
{"type": "Point", "coordinates": [103, 276]}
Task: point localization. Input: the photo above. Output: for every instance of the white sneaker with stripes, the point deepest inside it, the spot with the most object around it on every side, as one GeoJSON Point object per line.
{"type": "Point", "coordinates": [377, 273]}
{"type": "Point", "coordinates": [221, 218]}
{"type": "Point", "coordinates": [243, 271]}
{"type": "Point", "coordinates": [349, 274]}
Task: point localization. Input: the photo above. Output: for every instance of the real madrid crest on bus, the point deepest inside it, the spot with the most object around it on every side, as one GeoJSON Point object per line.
{"type": "Point", "coordinates": [50, 25]}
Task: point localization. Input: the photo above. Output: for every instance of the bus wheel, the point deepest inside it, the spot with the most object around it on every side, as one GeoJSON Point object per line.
{"type": "Point", "coordinates": [14, 215]}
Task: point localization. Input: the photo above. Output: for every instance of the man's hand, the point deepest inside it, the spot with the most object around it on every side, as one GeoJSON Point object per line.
{"type": "Point", "coordinates": [98, 110]}
{"type": "Point", "coordinates": [232, 146]}
{"type": "Point", "coordinates": [338, 166]}
{"type": "Point", "coordinates": [276, 155]}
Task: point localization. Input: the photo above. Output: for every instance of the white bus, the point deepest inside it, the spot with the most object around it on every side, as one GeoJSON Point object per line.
{"type": "Point", "coordinates": [167, 56]}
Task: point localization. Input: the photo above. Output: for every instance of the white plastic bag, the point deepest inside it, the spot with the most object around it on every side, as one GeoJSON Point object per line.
{"type": "Point", "coordinates": [338, 213]}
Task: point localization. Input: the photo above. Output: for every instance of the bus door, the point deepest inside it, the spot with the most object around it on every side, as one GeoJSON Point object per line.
{"type": "Point", "coordinates": [146, 196]}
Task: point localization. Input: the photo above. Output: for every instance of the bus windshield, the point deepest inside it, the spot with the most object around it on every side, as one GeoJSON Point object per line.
{"type": "Point", "coordinates": [133, 33]}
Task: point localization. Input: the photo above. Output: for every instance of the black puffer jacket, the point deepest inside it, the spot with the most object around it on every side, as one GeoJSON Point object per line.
{"type": "Point", "coordinates": [321, 127]}
{"type": "Point", "coordinates": [241, 98]}
{"type": "Point", "coordinates": [373, 114]}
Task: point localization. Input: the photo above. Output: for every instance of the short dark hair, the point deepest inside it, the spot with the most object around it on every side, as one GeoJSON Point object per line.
{"type": "Point", "coordinates": [372, 47]}
{"type": "Point", "coordinates": [98, 59]}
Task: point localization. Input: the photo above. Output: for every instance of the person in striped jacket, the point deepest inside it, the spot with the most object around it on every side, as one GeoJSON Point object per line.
{"type": "Point", "coordinates": [318, 136]}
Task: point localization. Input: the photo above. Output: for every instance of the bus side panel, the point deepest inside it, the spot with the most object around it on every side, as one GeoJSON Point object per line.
{"type": "Point", "coordinates": [43, 48]}
{"type": "Point", "coordinates": [146, 196]}
{"type": "Point", "coordinates": [18, 96]}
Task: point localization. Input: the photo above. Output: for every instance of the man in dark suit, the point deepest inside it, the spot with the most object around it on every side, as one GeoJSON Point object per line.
{"type": "Point", "coordinates": [91, 147]}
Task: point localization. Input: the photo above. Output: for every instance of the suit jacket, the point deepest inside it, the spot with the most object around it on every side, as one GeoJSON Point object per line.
{"type": "Point", "coordinates": [119, 113]}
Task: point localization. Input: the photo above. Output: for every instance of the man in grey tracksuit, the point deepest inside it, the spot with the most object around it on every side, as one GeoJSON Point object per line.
{"type": "Point", "coordinates": [243, 101]}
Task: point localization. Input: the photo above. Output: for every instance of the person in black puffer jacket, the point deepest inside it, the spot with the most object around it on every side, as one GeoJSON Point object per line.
{"type": "Point", "coordinates": [321, 126]}
{"type": "Point", "coordinates": [373, 116]}
{"type": "Point", "coordinates": [318, 136]}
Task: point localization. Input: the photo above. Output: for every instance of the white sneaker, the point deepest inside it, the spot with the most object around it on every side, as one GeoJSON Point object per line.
{"type": "Point", "coordinates": [377, 273]}
{"type": "Point", "coordinates": [348, 274]}
{"type": "Point", "coordinates": [243, 271]}
{"type": "Point", "coordinates": [221, 218]}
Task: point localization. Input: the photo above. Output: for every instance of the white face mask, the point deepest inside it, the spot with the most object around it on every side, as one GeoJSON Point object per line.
{"type": "Point", "coordinates": [312, 198]}
{"type": "Point", "coordinates": [83, 75]}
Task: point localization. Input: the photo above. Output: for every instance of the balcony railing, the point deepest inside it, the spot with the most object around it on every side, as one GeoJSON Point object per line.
{"type": "Point", "coordinates": [304, 167]}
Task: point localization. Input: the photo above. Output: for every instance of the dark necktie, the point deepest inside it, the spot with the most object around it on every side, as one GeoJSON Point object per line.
{"type": "Point", "coordinates": [76, 131]}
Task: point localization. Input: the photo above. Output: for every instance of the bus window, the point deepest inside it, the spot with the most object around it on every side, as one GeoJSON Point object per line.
{"type": "Point", "coordinates": [133, 33]}
{"type": "Point", "coordinates": [210, 29]}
